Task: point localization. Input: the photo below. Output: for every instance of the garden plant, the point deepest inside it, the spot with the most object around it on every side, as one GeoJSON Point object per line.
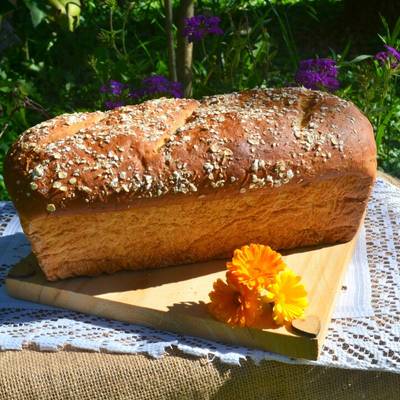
{"type": "Point", "coordinates": [65, 56]}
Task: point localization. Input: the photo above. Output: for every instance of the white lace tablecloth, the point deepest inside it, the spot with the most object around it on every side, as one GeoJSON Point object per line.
{"type": "Point", "coordinates": [371, 343]}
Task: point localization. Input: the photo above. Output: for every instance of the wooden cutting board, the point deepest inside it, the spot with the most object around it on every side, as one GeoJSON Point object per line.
{"type": "Point", "coordinates": [174, 299]}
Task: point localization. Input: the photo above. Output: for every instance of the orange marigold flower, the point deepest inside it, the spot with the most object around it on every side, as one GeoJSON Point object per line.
{"type": "Point", "coordinates": [234, 303]}
{"type": "Point", "coordinates": [288, 295]}
{"type": "Point", "coordinates": [255, 265]}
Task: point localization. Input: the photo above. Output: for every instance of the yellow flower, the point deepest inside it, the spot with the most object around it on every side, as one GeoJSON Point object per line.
{"type": "Point", "coordinates": [234, 303]}
{"type": "Point", "coordinates": [288, 295]}
{"type": "Point", "coordinates": [255, 265]}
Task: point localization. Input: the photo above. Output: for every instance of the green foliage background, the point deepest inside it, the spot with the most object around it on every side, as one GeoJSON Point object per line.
{"type": "Point", "coordinates": [47, 69]}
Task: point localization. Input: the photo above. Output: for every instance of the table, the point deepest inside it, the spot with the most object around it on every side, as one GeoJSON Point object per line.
{"type": "Point", "coordinates": [30, 374]}
{"type": "Point", "coordinates": [88, 376]}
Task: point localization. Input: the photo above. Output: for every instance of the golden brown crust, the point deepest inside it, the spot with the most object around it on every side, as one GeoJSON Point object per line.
{"type": "Point", "coordinates": [167, 148]}
{"type": "Point", "coordinates": [200, 228]}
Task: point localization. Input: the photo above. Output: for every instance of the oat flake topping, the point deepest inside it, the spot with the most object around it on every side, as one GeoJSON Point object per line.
{"type": "Point", "coordinates": [240, 141]}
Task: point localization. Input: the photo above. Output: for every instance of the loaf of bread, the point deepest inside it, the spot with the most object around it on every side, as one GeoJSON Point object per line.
{"type": "Point", "coordinates": [174, 181]}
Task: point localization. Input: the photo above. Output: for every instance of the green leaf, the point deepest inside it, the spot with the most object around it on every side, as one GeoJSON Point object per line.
{"type": "Point", "coordinates": [358, 59]}
{"type": "Point", "coordinates": [5, 89]}
{"type": "Point", "coordinates": [37, 15]}
{"type": "Point", "coordinates": [20, 116]}
{"type": "Point", "coordinates": [381, 129]}
{"type": "Point", "coordinates": [70, 11]}
{"type": "Point", "coordinates": [73, 9]}
{"type": "Point", "coordinates": [361, 58]}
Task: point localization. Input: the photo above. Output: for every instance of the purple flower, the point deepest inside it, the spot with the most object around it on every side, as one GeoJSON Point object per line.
{"type": "Point", "coordinates": [391, 54]}
{"type": "Point", "coordinates": [116, 93]}
{"type": "Point", "coordinates": [382, 56]}
{"type": "Point", "coordinates": [157, 85]}
{"type": "Point", "coordinates": [318, 73]}
{"type": "Point", "coordinates": [199, 26]}
{"type": "Point", "coordinates": [113, 87]}
{"type": "Point", "coordinates": [110, 104]}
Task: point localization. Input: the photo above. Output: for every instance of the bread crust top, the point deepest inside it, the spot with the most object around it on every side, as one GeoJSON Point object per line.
{"type": "Point", "coordinates": [169, 149]}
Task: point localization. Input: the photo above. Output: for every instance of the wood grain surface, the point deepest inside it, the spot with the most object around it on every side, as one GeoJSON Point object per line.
{"type": "Point", "coordinates": [174, 298]}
